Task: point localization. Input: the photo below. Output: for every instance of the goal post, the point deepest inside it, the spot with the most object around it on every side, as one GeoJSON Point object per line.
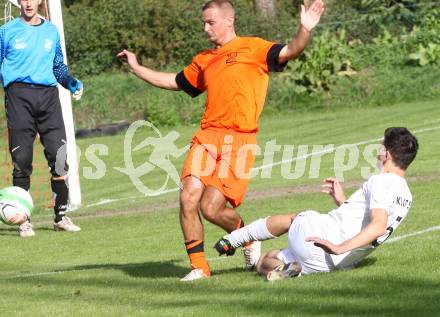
{"type": "Point", "coordinates": [56, 17]}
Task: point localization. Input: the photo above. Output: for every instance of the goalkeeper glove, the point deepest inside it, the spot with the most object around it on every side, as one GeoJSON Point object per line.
{"type": "Point", "coordinates": [76, 87]}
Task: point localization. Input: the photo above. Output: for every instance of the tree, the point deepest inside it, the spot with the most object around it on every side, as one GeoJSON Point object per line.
{"type": "Point", "coordinates": [265, 8]}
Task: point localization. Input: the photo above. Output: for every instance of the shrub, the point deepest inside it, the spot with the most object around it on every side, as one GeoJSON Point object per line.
{"type": "Point", "coordinates": [320, 64]}
{"type": "Point", "coordinates": [424, 41]}
{"type": "Point", "coordinates": [162, 33]}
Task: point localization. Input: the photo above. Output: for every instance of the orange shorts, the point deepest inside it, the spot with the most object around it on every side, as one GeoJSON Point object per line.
{"type": "Point", "coordinates": [223, 159]}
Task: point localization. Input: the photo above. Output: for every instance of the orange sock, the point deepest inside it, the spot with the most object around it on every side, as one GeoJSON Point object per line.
{"type": "Point", "coordinates": [240, 224]}
{"type": "Point", "coordinates": [196, 253]}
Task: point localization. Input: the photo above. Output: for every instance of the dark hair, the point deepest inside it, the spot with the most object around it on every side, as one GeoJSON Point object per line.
{"type": "Point", "coordinates": [402, 145]}
{"type": "Point", "coordinates": [217, 4]}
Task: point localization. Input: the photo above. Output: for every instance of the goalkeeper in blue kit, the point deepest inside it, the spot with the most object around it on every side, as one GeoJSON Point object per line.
{"type": "Point", "coordinates": [32, 65]}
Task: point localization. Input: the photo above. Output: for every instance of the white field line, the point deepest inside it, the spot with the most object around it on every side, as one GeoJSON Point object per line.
{"type": "Point", "coordinates": [106, 201]}
{"type": "Point", "coordinates": [303, 157]}
{"type": "Point", "coordinates": [21, 276]}
{"type": "Point", "coordinates": [326, 151]}
{"type": "Point", "coordinates": [395, 239]}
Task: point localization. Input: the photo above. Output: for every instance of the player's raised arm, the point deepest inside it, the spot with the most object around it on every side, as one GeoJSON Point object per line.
{"type": "Point", "coordinates": [309, 19]}
{"type": "Point", "coordinates": [155, 78]}
{"type": "Point", "coordinates": [333, 188]}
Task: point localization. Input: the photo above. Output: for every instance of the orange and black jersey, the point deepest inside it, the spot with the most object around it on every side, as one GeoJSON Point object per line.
{"type": "Point", "coordinates": [235, 77]}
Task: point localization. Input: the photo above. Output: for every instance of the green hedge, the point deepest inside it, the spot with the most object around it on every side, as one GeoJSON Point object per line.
{"type": "Point", "coordinates": [162, 33]}
{"type": "Point", "coordinates": [364, 52]}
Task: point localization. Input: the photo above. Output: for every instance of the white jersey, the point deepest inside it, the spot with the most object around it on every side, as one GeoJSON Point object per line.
{"type": "Point", "coordinates": [386, 191]}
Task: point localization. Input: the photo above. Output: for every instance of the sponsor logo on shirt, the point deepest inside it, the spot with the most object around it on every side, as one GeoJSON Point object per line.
{"type": "Point", "coordinates": [48, 45]}
{"type": "Point", "coordinates": [20, 44]}
{"type": "Point", "coordinates": [232, 58]}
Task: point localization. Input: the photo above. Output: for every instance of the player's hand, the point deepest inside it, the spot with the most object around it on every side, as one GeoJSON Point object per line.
{"type": "Point", "coordinates": [327, 246]}
{"type": "Point", "coordinates": [129, 58]}
{"type": "Point", "coordinates": [76, 87]}
{"type": "Point", "coordinates": [333, 188]}
{"type": "Point", "coordinates": [310, 16]}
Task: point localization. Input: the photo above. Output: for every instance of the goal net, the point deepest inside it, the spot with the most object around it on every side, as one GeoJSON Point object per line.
{"type": "Point", "coordinates": [40, 179]}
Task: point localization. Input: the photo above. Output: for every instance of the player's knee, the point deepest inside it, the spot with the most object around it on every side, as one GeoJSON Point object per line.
{"type": "Point", "coordinates": [59, 170]}
{"type": "Point", "coordinates": [57, 161]}
{"type": "Point", "coordinates": [22, 162]}
{"type": "Point", "coordinates": [209, 215]}
{"type": "Point", "coordinates": [261, 266]}
{"type": "Point", "coordinates": [267, 262]}
{"type": "Point", "coordinates": [209, 210]}
{"type": "Point", "coordinates": [189, 200]}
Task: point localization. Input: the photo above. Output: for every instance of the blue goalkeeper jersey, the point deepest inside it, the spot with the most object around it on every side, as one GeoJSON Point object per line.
{"type": "Point", "coordinates": [32, 54]}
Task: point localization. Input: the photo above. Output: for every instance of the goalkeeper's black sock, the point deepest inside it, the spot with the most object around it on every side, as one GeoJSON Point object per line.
{"type": "Point", "coordinates": [61, 195]}
{"type": "Point", "coordinates": [23, 182]}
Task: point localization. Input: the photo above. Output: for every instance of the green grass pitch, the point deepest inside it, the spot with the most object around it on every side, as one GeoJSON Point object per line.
{"type": "Point", "coordinates": [129, 256]}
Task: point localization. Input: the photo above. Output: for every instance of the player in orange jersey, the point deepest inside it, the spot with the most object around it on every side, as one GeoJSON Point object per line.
{"type": "Point", "coordinates": [235, 75]}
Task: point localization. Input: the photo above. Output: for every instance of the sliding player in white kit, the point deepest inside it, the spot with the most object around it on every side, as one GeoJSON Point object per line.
{"type": "Point", "coordinates": [342, 238]}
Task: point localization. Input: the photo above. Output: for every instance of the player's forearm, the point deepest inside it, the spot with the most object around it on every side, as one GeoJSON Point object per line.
{"type": "Point", "coordinates": [296, 46]}
{"type": "Point", "coordinates": [157, 79]}
{"type": "Point", "coordinates": [61, 70]}
{"type": "Point", "coordinates": [62, 75]}
{"type": "Point", "coordinates": [369, 234]}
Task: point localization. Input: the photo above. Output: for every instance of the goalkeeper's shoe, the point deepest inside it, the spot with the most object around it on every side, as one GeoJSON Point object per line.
{"type": "Point", "coordinates": [252, 254]}
{"type": "Point", "coordinates": [26, 230]}
{"type": "Point", "coordinates": [195, 274]}
{"type": "Point", "coordinates": [223, 246]}
{"type": "Point", "coordinates": [66, 224]}
{"type": "Point", "coordinates": [292, 269]}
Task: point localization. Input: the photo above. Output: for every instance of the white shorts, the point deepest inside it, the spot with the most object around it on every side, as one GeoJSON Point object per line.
{"type": "Point", "coordinates": [312, 258]}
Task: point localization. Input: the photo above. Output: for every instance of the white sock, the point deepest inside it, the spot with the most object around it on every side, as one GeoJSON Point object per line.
{"type": "Point", "coordinates": [255, 231]}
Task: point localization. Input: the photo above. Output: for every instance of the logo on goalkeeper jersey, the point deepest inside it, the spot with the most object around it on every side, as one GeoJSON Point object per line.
{"type": "Point", "coordinates": [20, 44]}
{"type": "Point", "coordinates": [48, 45]}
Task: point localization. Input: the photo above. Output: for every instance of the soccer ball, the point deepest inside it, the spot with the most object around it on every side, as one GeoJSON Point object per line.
{"type": "Point", "coordinates": [15, 205]}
